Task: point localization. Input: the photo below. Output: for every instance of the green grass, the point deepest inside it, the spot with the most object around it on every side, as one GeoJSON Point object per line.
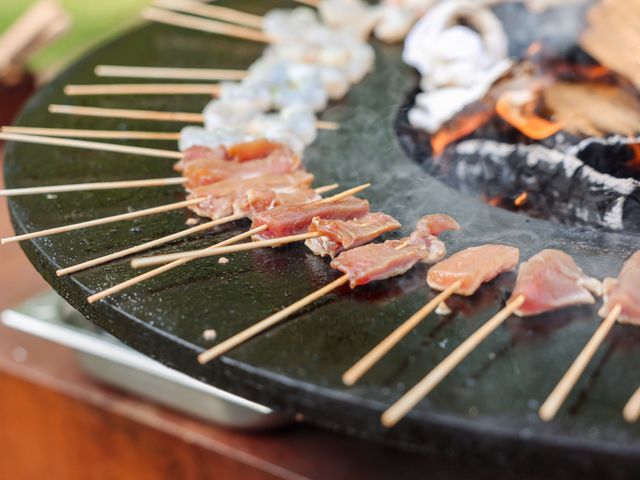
{"type": "Point", "coordinates": [93, 22]}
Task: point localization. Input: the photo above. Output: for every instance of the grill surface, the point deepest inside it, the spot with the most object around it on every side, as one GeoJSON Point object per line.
{"type": "Point", "coordinates": [485, 410]}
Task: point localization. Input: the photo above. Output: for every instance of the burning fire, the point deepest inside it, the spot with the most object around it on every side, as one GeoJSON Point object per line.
{"type": "Point", "coordinates": [461, 126]}
{"type": "Point", "coordinates": [517, 108]}
{"type": "Point", "coordinates": [521, 199]}
{"type": "Point", "coordinates": [635, 161]}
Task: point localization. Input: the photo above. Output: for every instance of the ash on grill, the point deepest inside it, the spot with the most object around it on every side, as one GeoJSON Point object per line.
{"type": "Point", "coordinates": [555, 138]}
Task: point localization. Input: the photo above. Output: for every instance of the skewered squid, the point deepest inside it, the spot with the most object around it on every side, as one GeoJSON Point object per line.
{"type": "Point", "coordinates": [460, 48]}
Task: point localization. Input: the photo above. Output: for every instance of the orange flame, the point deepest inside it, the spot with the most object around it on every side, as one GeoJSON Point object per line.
{"type": "Point", "coordinates": [635, 161]}
{"type": "Point", "coordinates": [461, 126]}
{"type": "Point", "coordinates": [521, 199]}
{"type": "Point", "coordinates": [591, 73]}
{"type": "Point", "coordinates": [521, 115]}
{"type": "Point", "coordinates": [494, 201]}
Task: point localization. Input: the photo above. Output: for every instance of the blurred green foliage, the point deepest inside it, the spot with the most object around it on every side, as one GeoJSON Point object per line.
{"type": "Point", "coordinates": [93, 22]}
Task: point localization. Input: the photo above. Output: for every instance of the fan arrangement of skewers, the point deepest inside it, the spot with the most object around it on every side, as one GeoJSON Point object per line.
{"type": "Point", "coordinates": [246, 163]}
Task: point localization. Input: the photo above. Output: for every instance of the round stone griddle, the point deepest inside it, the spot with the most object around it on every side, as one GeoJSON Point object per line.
{"type": "Point", "coordinates": [486, 409]}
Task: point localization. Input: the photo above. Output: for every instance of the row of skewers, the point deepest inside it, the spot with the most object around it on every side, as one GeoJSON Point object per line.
{"type": "Point", "coordinates": [257, 174]}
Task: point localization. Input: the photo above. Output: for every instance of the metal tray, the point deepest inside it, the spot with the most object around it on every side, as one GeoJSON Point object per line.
{"type": "Point", "coordinates": [106, 359]}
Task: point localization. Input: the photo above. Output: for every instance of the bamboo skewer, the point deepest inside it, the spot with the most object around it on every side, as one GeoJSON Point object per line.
{"type": "Point", "coordinates": [165, 268]}
{"type": "Point", "coordinates": [269, 322]}
{"type": "Point", "coordinates": [557, 397]}
{"type": "Point", "coordinates": [146, 246]}
{"type": "Point", "coordinates": [163, 240]}
{"type": "Point", "coordinates": [83, 133]}
{"type": "Point", "coordinates": [105, 147]}
{"type": "Point", "coordinates": [631, 410]}
{"type": "Point", "coordinates": [212, 11]}
{"type": "Point", "coordinates": [170, 257]}
{"type": "Point", "coordinates": [204, 25]}
{"type": "Point", "coordinates": [310, 3]}
{"type": "Point", "coordinates": [102, 221]}
{"type": "Point", "coordinates": [361, 367]}
{"type": "Point", "coordinates": [143, 89]}
{"type": "Point", "coordinates": [182, 117]}
{"type": "Point", "coordinates": [84, 187]}
{"type": "Point", "coordinates": [157, 73]}
{"type": "Point", "coordinates": [209, 252]}
{"type": "Point", "coordinates": [410, 399]}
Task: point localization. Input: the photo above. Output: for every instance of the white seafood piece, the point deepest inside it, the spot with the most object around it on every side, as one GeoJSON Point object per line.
{"type": "Point", "coordinates": [225, 113]}
{"type": "Point", "coordinates": [256, 93]}
{"type": "Point", "coordinates": [362, 61]}
{"type": "Point", "coordinates": [301, 121]}
{"type": "Point", "coordinates": [272, 128]}
{"type": "Point", "coordinates": [394, 23]}
{"type": "Point", "coordinates": [283, 26]}
{"type": "Point", "coordinates": [461, 49]}
{"type": "Point", "coordinates": [313, 96]}
{"type": "Point", "coordinates": [454, 32]}
{"type": "Point", "coordinates": [334, 80]}
{"type": "Point", "coordinates": [353, 59]}
{"type": "Point", "coordinates": [435, 107]}
{"type": "Point", "coordinates": [201, 137]}
{"type": "Point", "coordinates": [396, 17]}
{"type": "Point", "coordinates": [299, 36]}
{"type": "Point", "coordinates": [355, 17]}
{"type": "Point", "coordinates": [289, 83]}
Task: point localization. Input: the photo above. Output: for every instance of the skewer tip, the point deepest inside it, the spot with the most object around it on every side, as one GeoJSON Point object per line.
{"type": "Point", "coordinates": [388, 419]}
{"type": "Point", "coordinates": [349, 380]}
{"type": "Point", "coordinates": [202, 359]}
{"type": "Point", "coordinates": [630, 415]}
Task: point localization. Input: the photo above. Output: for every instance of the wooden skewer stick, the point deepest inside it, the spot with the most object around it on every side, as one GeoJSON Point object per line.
{"type": "Point", "coordinates": [105, 147]}
{"type": "Point", "coordinates": [557, 397]}
{"type": "Point", "coordinates": [83, 133]}
{"type": "Point", "coordinates": [269, 322]}
{"type": "Point", "coordinates": [102, 221]}
{"type": "Point", "coordinates": [170, 257]}
{"type": "Point", "coordinates": [164, 73]}
{"type": "Point", "coordinates": [324, 125]}
{"type": "Point", "coordinates": [209, 252]}
{"type": "Point", "coordinates": [144, 89]}
{"type": "Point", "coordinates": [84, 187]}
{"type": "Point", "coordinates": [182, 117]}
{"type": "Point", "coordinates": [204, 25]}
{"type": "Point", "coordinates": [631, 410]}
{"type": "Point", "coordinates": [361, 367]}
{"type": "Point", "coordinates": [163, 240]}
{"type": "Point", "coordinates": [165, 268]}
{"type": "Point", "coordinates": [148, 245]}
{"type": "Point", "coordinates": [212, 11]}
{"type": "Point", "coordinates": [310, 3]}
{"type": "Point", "coordinates": [410, 399]}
